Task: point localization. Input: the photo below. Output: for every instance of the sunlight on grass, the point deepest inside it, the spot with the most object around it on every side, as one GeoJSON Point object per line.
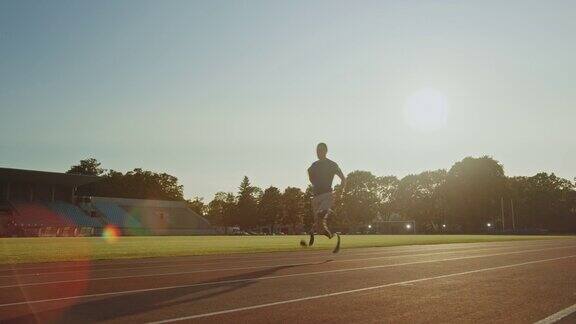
{"type": "Point", "coordinates": [22, 250]}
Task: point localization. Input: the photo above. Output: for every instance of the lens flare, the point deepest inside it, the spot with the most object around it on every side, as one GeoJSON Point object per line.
{"type": "Point", "coordinates": [111, 233]}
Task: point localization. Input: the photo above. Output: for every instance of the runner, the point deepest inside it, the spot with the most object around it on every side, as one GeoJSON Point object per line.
{"type": "Point", "coordinates": [321, 175]}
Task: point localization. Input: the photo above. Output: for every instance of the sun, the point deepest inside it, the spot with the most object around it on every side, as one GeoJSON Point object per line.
{"type": "Point", "coordinates": [426, 110]}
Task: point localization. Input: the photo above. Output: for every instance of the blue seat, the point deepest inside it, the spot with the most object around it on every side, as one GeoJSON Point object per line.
{"type": "Point", "coordinates": [73, 213]}
{"type": "Point", "coordinates": [116, 215]}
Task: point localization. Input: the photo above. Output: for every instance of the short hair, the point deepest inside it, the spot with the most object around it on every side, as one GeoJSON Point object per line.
{"type": "Point", "coordinates": [322, 146]}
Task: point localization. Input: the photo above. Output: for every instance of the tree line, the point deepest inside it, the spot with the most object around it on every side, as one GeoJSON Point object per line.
{"type": "Point", "coordinates": [137, 184]}
{"type": "Point", "coordinates": [473, 196]}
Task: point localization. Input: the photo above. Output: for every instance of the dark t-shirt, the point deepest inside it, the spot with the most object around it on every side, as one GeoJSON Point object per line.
{"type": "Point", "coordinates": [322, 174]}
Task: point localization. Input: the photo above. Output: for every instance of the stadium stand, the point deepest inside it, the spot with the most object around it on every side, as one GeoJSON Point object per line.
{"type": "Point", "coordinates": [116, 215]}
{"type": "Point", "coordinates": [34, 214]}
{"type": "Point", "coordinates": [73, 214]}
{"type": "Point", "coordinates": [38, 203]}
{"type": "Point", "coordinates": [6, 218]}
{"type": "Point", "coordinates": [153, 217]}
{"type": "Point", "coordinates": [56, 218]}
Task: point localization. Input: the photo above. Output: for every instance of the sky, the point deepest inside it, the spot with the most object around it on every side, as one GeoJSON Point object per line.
{"type": "Point", "coordinates": [210, 91]}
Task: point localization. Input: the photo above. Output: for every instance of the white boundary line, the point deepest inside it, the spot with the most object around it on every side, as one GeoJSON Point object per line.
{"type": "Point", "coordinates": [558, 316]}
{"type": "Point", "coordinates": [345, 292]}
{"type": "Point", "coordinates": [212, 283]}
{"type": "Point", "coordinates": [265, 267]}
{"type": "Point", "coordinates": [15, 273]}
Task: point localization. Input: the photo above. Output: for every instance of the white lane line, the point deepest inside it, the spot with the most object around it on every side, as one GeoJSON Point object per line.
{"type": "Point", "coordinates": [213, 283]}
{"type": "Point", "coordinates": [558, 316]}
{"type": "Point", "coordinates": [245, 268]}
{"type": "Point", "coordinates": [309, 254]}
{"type": "Point", "coordinates": [345, 292]}
{"type": "Point", "coordinates": [183, 264]}
{"type": "Point", "coordinates": [263, 256]}
{"type": "Point", "coordinates": [261, 267]}
{"type": "Point", "coordinates": [243, 257]}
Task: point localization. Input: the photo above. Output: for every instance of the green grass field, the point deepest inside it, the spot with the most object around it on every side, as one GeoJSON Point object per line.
{"type": "Point", "coordinates": [23, 250]}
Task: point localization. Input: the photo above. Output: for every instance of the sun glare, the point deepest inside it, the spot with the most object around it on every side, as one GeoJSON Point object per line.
{"type": "Point", "coordinates": [426, 110]}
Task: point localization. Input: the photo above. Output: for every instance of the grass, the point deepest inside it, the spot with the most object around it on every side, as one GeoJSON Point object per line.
{"type": "Point", "coordinates": [24, 250]}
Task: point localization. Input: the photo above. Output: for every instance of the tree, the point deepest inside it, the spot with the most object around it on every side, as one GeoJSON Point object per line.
{"type": "Point", "coordinates": [231, 210]}
{"type": "Point", "coordinates": [340, 221]}
{"type": "Point", "coordinates": [221, 210]}
{"type": "Point", "coordinates": [197, 205]}
{"type": "Point", "coordinates": [292, 207]}
{"type": "Point", "coordinates": [542, 201]}
{"type": "Point", "coordinates": [216, 209]}
{"type": "Point", "coordinates": [140, 184]}
{"type": "Point", "coordinates": [247, 209]}
{"type": "Point", "coordinates": [89, 166]}
{"type": "Point", "coordinates": [420, 197]}
{"type": "Point", "coordinates": [360, 199]}
{"type": "Point", "coordinates": [270, 208]}
{"type": "Point", "coordinates": [386, 190]}
{"type": "Point", "coordinates": [308, 216]}
{"type": "Point", "coordinates": [474, 187]}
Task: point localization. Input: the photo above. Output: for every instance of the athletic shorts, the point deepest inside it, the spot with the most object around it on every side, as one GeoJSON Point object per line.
{"type": "Point", "coordinates": [322, 203]}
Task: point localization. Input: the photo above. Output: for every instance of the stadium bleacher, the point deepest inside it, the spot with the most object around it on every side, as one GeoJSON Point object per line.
{"type": "Point", "coordinates": [131, 216]}
{"type": "Point", "coordinates": [73, 214]}
{"type": "Point", "coordinates": [116, 215]}
{"type": "Point", "coordinates": [40, 203]}
{"type": "Point", "coordinates": [35, 214]}
{"type": "Point", "coordinates": [179, 218]}
{"type": "Point", "coordinates": [152, 217]}
{"type": "Point", "coordinates": [56, 218]}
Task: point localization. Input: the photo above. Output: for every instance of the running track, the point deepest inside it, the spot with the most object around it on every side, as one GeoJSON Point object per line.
{"type": "Point", "coordinates": [506, 282]}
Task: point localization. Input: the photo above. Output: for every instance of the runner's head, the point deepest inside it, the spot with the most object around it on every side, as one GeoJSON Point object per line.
{"type": "Point", "coordinates": [322, 150]}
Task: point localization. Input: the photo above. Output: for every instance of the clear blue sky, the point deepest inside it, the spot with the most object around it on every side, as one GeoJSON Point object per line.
{"type": "Point", "coordinates": [212, 91]}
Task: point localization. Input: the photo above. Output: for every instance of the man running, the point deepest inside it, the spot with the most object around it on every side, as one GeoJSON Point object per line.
{"type": "Point", "coordinates": [321, 175]}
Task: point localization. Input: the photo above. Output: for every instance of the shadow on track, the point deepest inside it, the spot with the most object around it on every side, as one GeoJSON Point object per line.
{"type": "Point", "coordinates": [116, 307]}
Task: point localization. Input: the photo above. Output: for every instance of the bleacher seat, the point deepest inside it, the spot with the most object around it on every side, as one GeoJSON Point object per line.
{"type": "Point", "coordinates": [152, 217]}
{"type": "Point", "coordinates": [73, 213]}
{"type": "Point", "coordinates": [37, 215]}
{"type": "Point", "coordinates": [116, 215]}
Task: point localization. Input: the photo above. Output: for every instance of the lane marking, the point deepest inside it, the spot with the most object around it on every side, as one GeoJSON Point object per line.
{"type": "Point", "coordinates": [345, 292]}
{"type": "Point", "coordinates": [87, 268]}
{"type": "Point", "coordinates": [257, 267]}
{"type": "Point", "coordinates": [244, 257]}
{"type": "Point", "coordinates": [558, 316]}
{"type": "Point", "coordinates": [214, 283]}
